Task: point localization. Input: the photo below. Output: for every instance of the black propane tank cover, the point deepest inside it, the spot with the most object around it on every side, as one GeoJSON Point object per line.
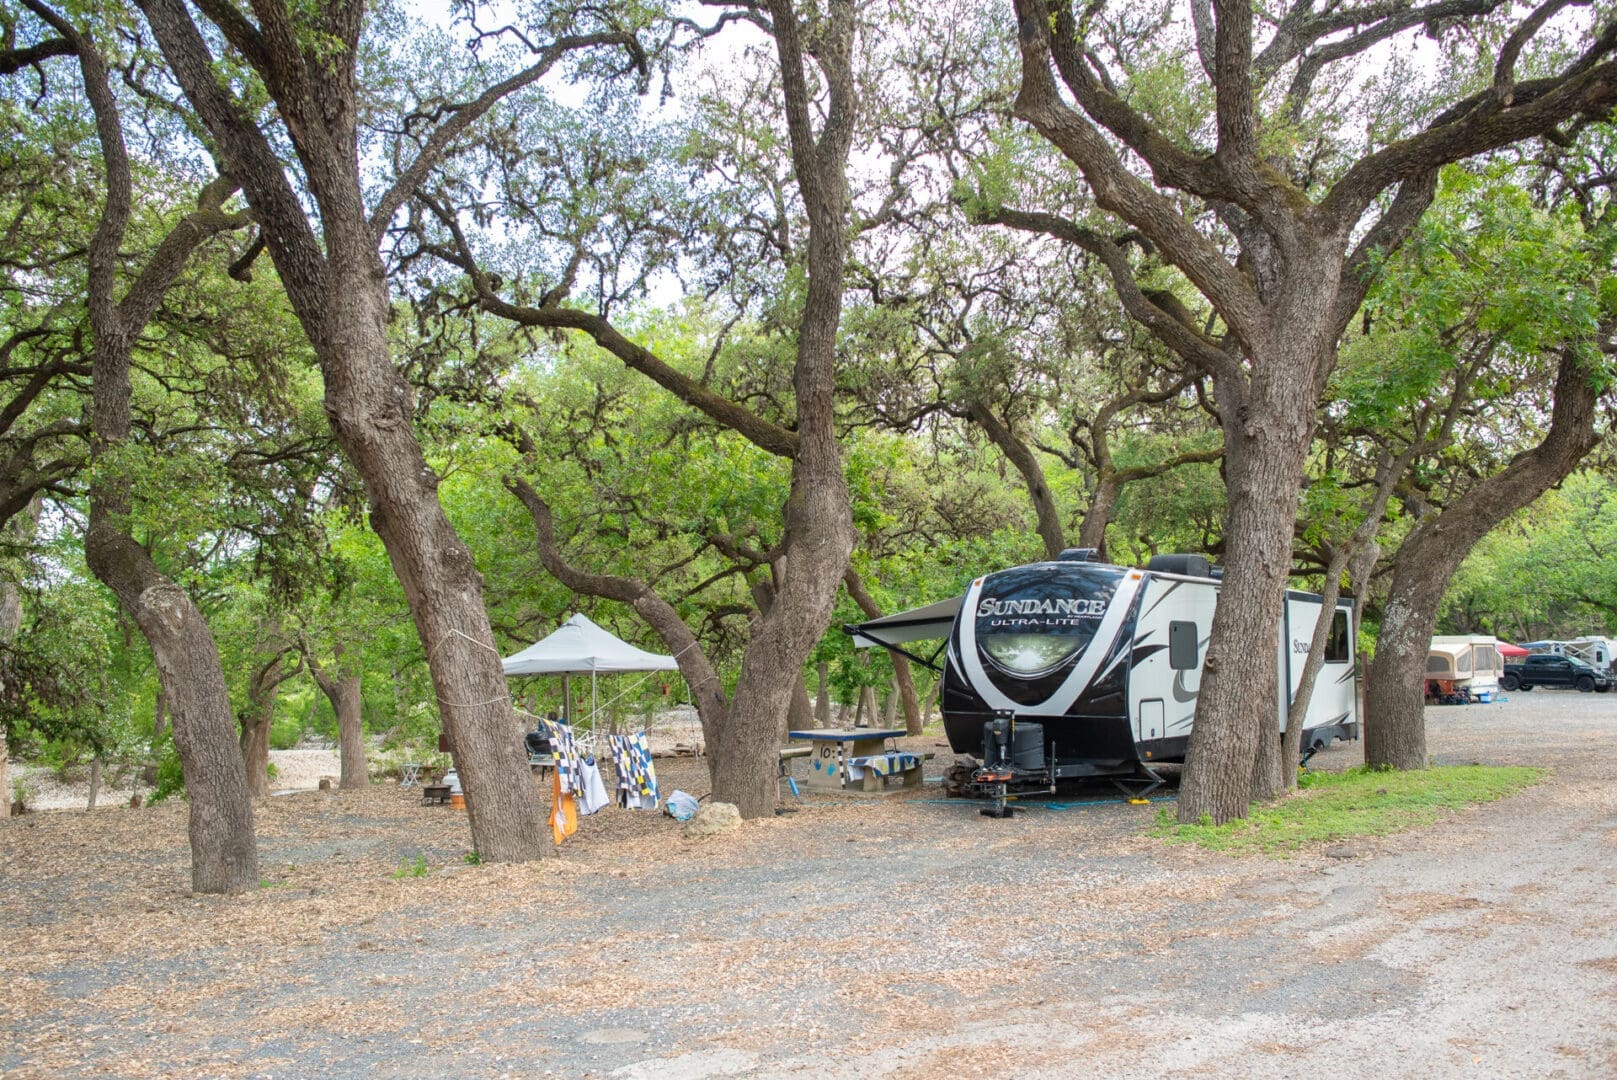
{"type": "Point", "coordinates": [1027, 750]}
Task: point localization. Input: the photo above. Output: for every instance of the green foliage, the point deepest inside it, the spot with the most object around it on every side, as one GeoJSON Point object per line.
{"type": "Point", "coordinates": [170, 775]}
{"type": "Point", "coordinates": [1356, 803]}
{"type": "Point", "coordinates": [408, 868]}
{"type": "Point", "coordinates": [285, 731]}
{"type": "Point", "coordinates": [1488, 269]}
{"type": "Point", "coordinates": [1549, 572]}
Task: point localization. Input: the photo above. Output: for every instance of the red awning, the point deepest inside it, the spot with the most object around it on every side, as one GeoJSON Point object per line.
{"type": "Point", "coordinates": [1511, 650]}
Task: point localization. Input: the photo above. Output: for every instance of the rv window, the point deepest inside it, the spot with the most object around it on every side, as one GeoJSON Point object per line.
{"type": "Point", "coordinates": [1183, 651]}
{"type": "Point", "coordinates": [1336, 646]}
{"type": "Point", "coordinates": [1437, 664]}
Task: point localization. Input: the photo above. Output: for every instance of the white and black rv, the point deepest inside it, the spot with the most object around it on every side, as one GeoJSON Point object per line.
{"type": "Point", "coordinates": [1077, 668]}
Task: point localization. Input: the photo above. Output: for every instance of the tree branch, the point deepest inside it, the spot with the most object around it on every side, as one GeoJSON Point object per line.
{"type": "Point", "coordinates": [437, 144]}
{"type": "Point", "coordinates": [1169, 325]}
{"type": "Point", "coordinates": [1120, 191]}
{"type": "Point", "coordinates": [760, 432]}
{"type": "Point", "coordinates": [14, 60]}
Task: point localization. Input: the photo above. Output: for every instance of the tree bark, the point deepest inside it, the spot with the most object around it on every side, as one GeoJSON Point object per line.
{"type": "Point", "coordinates": [1263, 463]}
{"type": "Point", "coordinates": [95, 781]}
{"type": "Point", "coordinates": [1291, 746]}
{"type": "Point", "coordinates": [822, 700]}
{"type": "Point", "coordinates": [1395, 700]}
{"type": "Point", "coordinates": [1092, 530]}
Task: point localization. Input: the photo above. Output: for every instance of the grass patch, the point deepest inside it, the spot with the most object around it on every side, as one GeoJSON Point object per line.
{"type": "Point", "coordinates": [1355, 803]}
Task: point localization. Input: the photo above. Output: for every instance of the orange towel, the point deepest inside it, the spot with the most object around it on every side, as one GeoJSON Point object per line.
{"type": "Point", "coordinates": [563, 815]}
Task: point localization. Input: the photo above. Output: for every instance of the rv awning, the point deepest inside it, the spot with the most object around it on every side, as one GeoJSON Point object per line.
{"type": "Point", "coordinates": [917, 624]}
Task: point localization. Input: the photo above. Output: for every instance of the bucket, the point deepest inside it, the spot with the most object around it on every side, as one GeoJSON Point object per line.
{"type": "Point", "coordinates": [457, 801]}
{"type": "Point", "coordinates": [1485, 696]}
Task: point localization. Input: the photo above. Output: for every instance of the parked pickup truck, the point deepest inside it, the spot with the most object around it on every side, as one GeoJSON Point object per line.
{"type": "Point", "coordinates": [1563, 671]}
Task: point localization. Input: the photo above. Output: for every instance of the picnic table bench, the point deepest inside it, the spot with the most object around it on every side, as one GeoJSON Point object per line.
{"type": "Point", "coordinates": [858, 760]}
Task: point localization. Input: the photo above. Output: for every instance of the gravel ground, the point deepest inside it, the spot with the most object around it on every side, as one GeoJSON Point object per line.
{"type": "Point", "coordinates": [901, 937]}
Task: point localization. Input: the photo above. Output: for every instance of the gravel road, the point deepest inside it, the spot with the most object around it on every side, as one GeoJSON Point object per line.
{"type": "Point", "coordinates": [899, 938]}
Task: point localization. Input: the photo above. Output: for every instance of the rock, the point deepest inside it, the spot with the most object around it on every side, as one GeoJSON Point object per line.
{"type": "Point", "coordinates": [327, 783]}
{"type": "Point", "coordinates": [134, 801]}
{"type": "Point", "coordinates": [712, 819]}
{"type": "Point", "coordinates": [1346, 851]}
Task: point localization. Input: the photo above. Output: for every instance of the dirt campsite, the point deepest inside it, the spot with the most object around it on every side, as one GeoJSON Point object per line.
{"type": "Point", "coordinates": [906, 936]}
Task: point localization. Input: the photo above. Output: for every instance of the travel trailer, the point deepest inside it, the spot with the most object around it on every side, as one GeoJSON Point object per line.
{"type": "Point", "coordinates": [1598, 652]}
{"type": "Point", "coordinates": [1077, 668]}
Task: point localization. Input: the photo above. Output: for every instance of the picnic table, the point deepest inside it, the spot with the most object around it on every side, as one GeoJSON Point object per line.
{"type": "Point", "coordinates": [858, 760]}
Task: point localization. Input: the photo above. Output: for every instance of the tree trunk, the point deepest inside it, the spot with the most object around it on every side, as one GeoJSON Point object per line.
{"type": "Point", "coordinates": [344, 689]}
{"type": "Point", "coordinates": [800, 716]}
{"type": "Point", "coordinates": [10, 623]}
{"type": "Point", "coordinates": [368, 405]}
{"type": "Point", "coordinates": [1395, 700]}
{"type": "Point", "coordinates": [1263, 463]}
{"type": "Point", "coordinates": [256, 722]}
{"type": "Point", "coordinates": [159, 714]}
{"type": "Point", "coordinates": [818, 535]}
{"type": "Point", "coordinates": [1092, 532]}
{"type": "Point", "coordinates": [224, 852]}
{"type": "Point", "coordinates": [904, 679]}
{"type": "Point", "coordinates": [148, 772]}
{"type": "Point", "coordinates": [1291, 747]}
{"type": "Point", "coordinates": [95, 781]}
{"type": "Point", "coordinates": [351, 733]}
{"type": "Point", "coordinates": [255, 732]}
{"type": "Point", "coordinates": [1268, 768]}
{"type": "Point", "coordinates": [822, 700]}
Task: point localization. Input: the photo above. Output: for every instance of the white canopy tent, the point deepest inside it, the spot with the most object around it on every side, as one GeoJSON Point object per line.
{"type": "Point", "coordinates": [580, 647]}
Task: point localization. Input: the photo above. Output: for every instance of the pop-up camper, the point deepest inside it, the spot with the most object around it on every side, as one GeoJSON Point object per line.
{"type": "Point", "coordinates": [1462, 668]}
{"type": "Point", "coordinates": [1077, 668]}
